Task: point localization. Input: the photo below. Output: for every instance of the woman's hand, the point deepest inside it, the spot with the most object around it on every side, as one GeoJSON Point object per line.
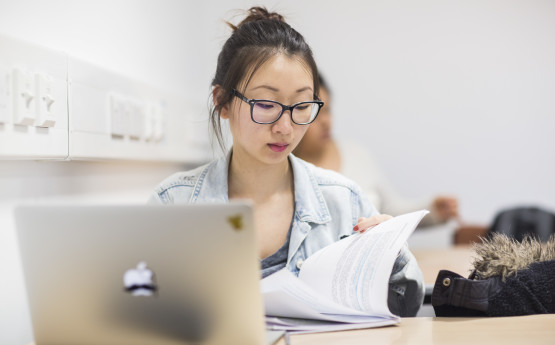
{"type": "Point", "coordinates": [367, 223]}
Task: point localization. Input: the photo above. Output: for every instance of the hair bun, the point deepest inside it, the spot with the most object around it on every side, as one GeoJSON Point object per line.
{"type": "Point", "coordinates": [258, 13]}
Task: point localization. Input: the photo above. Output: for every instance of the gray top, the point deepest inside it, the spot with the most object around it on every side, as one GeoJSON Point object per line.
{"type": "Point", "coordinates": [276, 261]}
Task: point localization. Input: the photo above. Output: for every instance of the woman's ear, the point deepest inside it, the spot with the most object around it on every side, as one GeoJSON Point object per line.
{"type": "Point", "coordinates": [217, 97]}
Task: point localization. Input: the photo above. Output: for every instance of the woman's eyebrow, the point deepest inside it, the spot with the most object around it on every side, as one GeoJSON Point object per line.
{"type": "Point", "coordinates": [271, 88]}
{"type": "Point", "coordinates": [274, 89]}
{"type": "Point", "coordinates": [303, 89]}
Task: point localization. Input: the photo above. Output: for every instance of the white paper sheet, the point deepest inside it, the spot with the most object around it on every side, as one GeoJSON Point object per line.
{"type": "Point", "coordinates": [352, 271]}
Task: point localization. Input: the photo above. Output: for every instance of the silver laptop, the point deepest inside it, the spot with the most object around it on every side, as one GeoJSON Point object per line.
{"type": "Point", "coordinates": [148, 274]}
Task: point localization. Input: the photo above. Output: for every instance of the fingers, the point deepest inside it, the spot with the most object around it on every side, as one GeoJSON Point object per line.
{"type": "Point", "coordinates": [367, 223]}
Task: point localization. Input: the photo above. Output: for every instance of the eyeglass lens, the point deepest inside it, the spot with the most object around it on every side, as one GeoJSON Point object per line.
{"type": "Point", "coordinates": [266, 112]}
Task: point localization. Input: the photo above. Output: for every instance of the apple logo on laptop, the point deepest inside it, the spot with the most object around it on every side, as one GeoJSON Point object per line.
{"type": "Point", "coordinates": [140, 281]}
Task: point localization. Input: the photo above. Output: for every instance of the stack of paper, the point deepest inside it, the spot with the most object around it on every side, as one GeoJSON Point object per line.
{"type": "Point", "coordinates": [342, 286]}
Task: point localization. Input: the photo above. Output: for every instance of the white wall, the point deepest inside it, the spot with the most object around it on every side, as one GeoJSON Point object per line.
{"type": "Point", "coordinates": [451, 96]}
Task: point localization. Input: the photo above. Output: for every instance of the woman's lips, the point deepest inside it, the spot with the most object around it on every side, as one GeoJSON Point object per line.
{"type": "Point", "coordinates": [278, 147]}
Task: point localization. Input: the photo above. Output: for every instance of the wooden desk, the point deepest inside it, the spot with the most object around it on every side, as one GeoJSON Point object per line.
{"type": "Point", "coordinates": [457, 259]}
{"type": "Point", "coordinates": [516, 330]}
{"type": "Point", "coordinates": [530, 330]}
{"type": "Point", "coordinates": [533, 329]}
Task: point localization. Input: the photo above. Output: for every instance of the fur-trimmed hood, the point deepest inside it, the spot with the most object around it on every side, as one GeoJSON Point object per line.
{"type": "Point", "coordinates": [503, 256]}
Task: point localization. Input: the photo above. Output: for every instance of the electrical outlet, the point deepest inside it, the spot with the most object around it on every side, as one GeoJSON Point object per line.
{"type": "Point", "coordinates": [118, 115]}
{"type": "Point", "coordinates": [159, 125]}
{"type": "Point", "coordinates": [136, 120]}
{"type": "Point", "coordinates": [23, 87]}
{"type": "Point", "coordinates": [45, 101]}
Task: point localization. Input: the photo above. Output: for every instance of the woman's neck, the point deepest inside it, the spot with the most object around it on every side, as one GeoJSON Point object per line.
{"type": "Point", "coordinates": [258, 181]}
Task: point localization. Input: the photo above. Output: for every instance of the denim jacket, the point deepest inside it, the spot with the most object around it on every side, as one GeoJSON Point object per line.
{"type": "Point", "coordinates": [327, 207]}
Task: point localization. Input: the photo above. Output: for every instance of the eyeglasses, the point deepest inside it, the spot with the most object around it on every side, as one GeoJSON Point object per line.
{"type": "Point", "coordinates": [265, 111]}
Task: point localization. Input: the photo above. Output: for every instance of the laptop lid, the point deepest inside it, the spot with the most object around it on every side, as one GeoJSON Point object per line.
{"type": "Point", "coordinates": [141, 274]}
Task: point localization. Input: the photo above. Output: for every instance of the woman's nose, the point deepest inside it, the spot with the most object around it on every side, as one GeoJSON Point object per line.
{"type": "Point", "coordinates": [284, 124]}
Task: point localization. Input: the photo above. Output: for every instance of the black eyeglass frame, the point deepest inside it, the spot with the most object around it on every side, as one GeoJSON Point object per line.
{"type": "Point", "coordinates": [284, 108]}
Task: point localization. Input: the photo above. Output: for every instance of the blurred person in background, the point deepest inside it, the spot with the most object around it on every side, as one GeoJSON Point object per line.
{"type": "Point", "coordinates": [320, 148]}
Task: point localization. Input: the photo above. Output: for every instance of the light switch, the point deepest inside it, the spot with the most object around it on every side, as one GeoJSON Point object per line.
{"type": "Point", "coordinates": [4, 95]}
{"type": "Point", "coordinates": [23, 87]}
{"type": "Point", "coordinates": [45, 100]}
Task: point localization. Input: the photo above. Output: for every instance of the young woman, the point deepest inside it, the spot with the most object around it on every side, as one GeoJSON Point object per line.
{"type": "Point", "coordinates": [266, 85]}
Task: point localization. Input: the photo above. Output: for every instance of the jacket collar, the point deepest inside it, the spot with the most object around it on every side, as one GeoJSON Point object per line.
{"type": "Point", "coordinates": [212, 184]}
{"type": "Point", "coordinates": [310, 205]}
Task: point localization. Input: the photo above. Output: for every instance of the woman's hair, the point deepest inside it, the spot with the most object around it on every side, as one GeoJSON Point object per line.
{"type": "Point", "coordinates": [259, 37]}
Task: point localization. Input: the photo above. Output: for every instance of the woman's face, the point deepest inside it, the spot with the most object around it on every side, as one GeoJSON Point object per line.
{"type": "Point", "coordinates": [283, 79]}
{"type": "Point", "coordinates": [319, 132]}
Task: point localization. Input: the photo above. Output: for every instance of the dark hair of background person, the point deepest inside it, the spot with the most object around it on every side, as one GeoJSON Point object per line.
{"type": "Point", "coordinates": [260, 36]}
{"type": "Point", "coordinates": [324, 83]}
